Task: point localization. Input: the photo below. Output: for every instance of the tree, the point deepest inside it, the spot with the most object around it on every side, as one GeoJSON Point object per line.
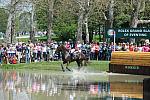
{"type": "Point", "coordinates": [23, 22]}
{"type": "Point", "coordinates": [138, 7]}
{"type": "Point", "coordinates": [12, 7]}
{"type": "Point", "coordinates": [110, 17]}
{"type": "Point", "coordinates": [65, 20]}
{"type": "Point", "coordinates": [48, 7]}
{"type": "Point", "coordinates": [83, 14]}
{"type": "Point", "coordinates": [32, 32]}
{"type": "Point", "coordinates": [10, 32]}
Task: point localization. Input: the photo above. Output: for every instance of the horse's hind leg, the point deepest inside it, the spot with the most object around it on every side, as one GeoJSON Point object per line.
{"type": "Point", "coordinates": [81, 63]}
{"type": "Point", "coordinates": [78, 63]}
{"type": "Point", "coordinates": [85, 63]}
{"type": "Point", "coordinates": [62, 67]}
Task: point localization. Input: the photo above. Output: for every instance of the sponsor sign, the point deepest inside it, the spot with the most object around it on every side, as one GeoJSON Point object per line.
{"type": "Point", "coordinates": [128, 33]}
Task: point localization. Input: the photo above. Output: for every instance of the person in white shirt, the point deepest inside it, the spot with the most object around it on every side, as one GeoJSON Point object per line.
{"type": "Point", "coordinates": [39, 52]}
{"type": "Point", "coordinates": [35, 53]}
{"type": "Point", "coordinates": [44, 52]}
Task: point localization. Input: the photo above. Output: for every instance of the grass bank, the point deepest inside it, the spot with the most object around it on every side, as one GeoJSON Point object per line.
{"type": "Point", "coordinates": [55, 65]}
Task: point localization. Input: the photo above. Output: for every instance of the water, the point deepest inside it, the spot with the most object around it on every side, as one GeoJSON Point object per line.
{"type": "Point", "coordinates": [76, 85]}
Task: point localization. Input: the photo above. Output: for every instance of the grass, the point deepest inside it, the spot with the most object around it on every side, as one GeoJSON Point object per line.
{"type": "Point", "coordinates": [55, 66]}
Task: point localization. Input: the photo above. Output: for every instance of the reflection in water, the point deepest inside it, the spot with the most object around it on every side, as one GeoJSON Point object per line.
{"type": "Point", "coordinates": [33, 86]}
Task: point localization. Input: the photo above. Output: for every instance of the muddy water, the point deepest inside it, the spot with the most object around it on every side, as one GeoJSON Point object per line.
{"type": "Point", "coordinates": [27, 85]}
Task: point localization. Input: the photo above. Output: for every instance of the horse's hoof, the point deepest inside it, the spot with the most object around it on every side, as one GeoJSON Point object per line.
{"type": "Point", "coordinates": [63, 70]}
{"type": "Point", "coordinates": [78, 69]}
{"type": "Point", "coordinates": [71, 70]}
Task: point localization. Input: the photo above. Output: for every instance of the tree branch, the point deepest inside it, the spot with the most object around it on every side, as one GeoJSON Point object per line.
{"type": "Point", "coordinates": [143, 21]}
{"type": "Point", "coordinates": [143, 6]}
{"type": "Point", "coordinates": [105, 16]}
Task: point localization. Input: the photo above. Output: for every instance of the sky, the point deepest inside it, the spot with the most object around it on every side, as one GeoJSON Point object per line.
{"type": "Point", "coordinates": [4, 2]}
{"type": "Point", "coordinates": [26, 7]}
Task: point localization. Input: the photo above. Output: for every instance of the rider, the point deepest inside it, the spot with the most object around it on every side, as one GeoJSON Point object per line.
{"type": "Point", "coordinates": [69, 47]}
{"type": "Point", "coordinates": [78, 47]}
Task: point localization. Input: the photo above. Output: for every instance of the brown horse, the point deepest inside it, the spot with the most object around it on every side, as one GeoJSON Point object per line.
{"type": "Point", "coordinates": [79, 57]}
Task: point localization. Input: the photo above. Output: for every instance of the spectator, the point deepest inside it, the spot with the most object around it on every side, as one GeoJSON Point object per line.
{"type": "Point", "coordinates": [96, 48]}
{"type": "Point", "coordinates": [39, 52]}
{"type": "Point", "coordinates": [44, 52]}
{"type": "Point", "coordinates": [14, 59]}
{"type": "Point", "coordinates": [35, 51]}
{"type": "Point", "coordinates": [131, 47]}
{"type": "Point", "coordinates": [27, 52]}
{"type": "Point", "coordinates": [0, 55]}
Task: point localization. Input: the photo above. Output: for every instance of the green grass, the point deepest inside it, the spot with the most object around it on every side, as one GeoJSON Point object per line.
{"type": "Point", "coordinates": [42, 38]}
{"type": "Point", "coordinates": [55, 66]}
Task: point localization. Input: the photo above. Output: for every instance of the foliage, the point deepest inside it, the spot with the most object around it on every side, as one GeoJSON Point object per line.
{"type": "Point", "coordinates": [66, 13]}
{"type": "Point", "coordinates": [122, 14]}
{"type": "Point", "coordinates": [122, 20]}
{"type": "Point", "coordinates": [64, 23]}
{"type": "Point", "coordinates": [65, 31]}
{"type": "Point", "coordinates": [3, 20]}
{"type": "Point", "coordinates": [41, 16]}
{"type": "Point", "coordinates": [145, 15]}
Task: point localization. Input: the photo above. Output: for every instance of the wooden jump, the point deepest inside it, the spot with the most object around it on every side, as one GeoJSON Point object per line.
{"type": "Point", "coordinates": [130, 62]}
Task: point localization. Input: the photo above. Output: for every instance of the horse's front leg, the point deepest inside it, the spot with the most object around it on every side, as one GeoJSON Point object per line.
{"type": "Point", "coordinates": [67, 67]}
{"type": "Point", "coordinates": [62, 67]}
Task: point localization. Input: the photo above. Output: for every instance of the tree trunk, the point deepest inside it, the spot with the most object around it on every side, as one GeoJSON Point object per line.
{"type": "Point", "coordinates": [7, 37]}
{"type": "Point", "coordinates": [32, 33]}
{"type": "Point", "coordinates": [109, 17]}
{"type": "Point", "coordinates": [87, 30]}
{"type": "Point", "coordinates": [50, 19]}
{"type": "Point", "coordinates": [83, 18]}
{"type": "Point", "coordinates": [87, 7]}
{"type": "Point", "coordinates": [10, 31]}
{"type": "Point", "coordinates": [13, 35]}
{"type": "Point", "coordinates": [111, 14]}
{"type": "Point", "coordinates": [134, 17]}
{"type": "Point", "coordinates": [91, 35]}
{"type": "Point", "coordinates": [80, 24]}
{"type": "Point", "coordinates": [99, 33]}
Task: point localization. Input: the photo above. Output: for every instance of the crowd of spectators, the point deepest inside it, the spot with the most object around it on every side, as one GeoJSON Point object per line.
{"type": "Point", "coordinates": [42, 51]}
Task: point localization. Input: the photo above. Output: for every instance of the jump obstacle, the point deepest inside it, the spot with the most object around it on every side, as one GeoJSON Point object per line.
{"type": "Point", "coordinates": [130, 62]}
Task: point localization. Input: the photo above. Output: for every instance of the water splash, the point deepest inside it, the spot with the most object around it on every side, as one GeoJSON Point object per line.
{"type": "Point", "coordinates": [80, 71]}
{"type": "Point", "coordinates": [85, 72]}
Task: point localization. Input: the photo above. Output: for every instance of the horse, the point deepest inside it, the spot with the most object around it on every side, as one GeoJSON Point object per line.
{"type": "Point", "coordinates": [67, 58]}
